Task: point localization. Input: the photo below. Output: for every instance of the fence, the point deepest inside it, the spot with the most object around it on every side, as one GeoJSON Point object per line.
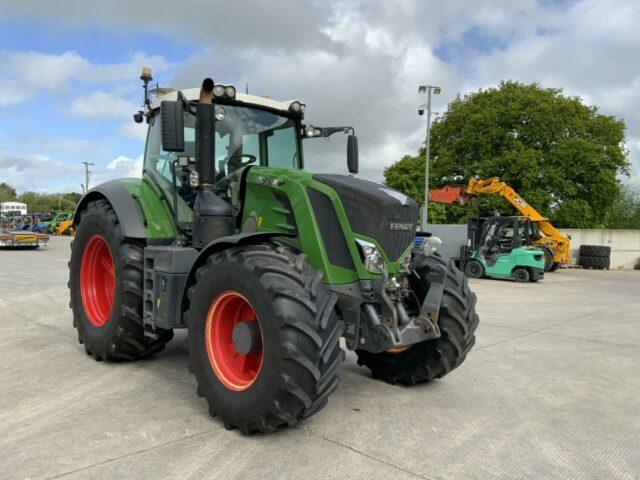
{"type": "Point", "coordinates": [625, 244]}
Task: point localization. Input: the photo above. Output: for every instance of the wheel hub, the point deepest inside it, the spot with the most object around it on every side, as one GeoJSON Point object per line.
{"type": "Point", "coordinates": [97, 281]}
{"type": "Point", "coordinates": [247, 338]}
{"type": "Point", "coordinates": [233, 338]}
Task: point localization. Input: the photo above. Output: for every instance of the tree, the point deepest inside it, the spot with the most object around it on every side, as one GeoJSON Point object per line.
{"type": "Point", "coordinates": [7, 193]}
{"type": "Point", "coordinates": [562, 156]}
{"type": "Point", "coordinates": [625, 211]}
{"type": "Point", "coordinates": [49, 202]}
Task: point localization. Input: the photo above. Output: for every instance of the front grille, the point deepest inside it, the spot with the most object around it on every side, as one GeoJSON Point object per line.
{"type": "Point", "coordinates": [375, 210]}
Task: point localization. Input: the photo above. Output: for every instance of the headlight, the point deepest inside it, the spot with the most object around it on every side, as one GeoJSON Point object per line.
{"type": "Point", "coordinates": [220, 113]}
{"type": "Point", "coordinates": [371, 257]}
{"type": "Point", "coordinates": [296, 107]}
{"type": "Point", "coordinates": [224, 91]}
{"type": "Point", "coordinates": [431, 244]}
{"type": "Point", "coordinates": [405, 262]}
{"type": "Point", "coordinates": [309, 130]}
{"type": "Point", "coordinates": [218, 91]}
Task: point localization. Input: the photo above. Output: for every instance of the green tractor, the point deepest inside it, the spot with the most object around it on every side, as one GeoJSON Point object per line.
{"type": "Point", "coordinates": [56, 221]}
{"type": "Point", "coordinates": [501, 247]}
{"type": "Point", "coordinates": [266, 264]}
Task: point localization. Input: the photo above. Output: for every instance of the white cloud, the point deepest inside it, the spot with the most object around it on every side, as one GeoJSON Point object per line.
{"type": "Point", "coordinates": [354, 62]}
{"type": "Point", "coordinates": [11, 93]}
{"type": "Point", "coordinates": [33, 172]}
{"type": "Point", "coordinates": [136, 131]}
{"type": "Point", "coordinates": [102, 105]}
{"type": "Point", "coordinates": [26, 74]}
{"type": "Point", "coordinates": [126, 167]}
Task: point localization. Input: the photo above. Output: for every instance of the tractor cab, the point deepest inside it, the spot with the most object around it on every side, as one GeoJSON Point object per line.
{"type": "Point", "coordinates": [242, 131]}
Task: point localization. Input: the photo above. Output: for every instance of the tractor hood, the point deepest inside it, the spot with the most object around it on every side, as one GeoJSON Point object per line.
{"type": "Point", "coordinates": [376, 211]}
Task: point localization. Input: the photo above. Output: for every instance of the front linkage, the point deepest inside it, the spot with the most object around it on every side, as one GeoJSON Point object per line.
{"type": "Point", "coordinates": [391, 315]}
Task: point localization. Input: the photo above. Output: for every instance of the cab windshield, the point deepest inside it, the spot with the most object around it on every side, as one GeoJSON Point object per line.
{"type": "Point", "coordinates": [246, 136]}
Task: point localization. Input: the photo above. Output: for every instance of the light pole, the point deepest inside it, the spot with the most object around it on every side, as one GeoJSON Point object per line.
{"type": "Point", "coordinates": [87, 175]}
{"type": "Point", "coordinates": [428, 89]}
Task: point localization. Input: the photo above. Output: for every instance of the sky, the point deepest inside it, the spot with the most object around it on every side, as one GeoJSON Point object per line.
{"type": "Point", "coordinates": [69, 82]}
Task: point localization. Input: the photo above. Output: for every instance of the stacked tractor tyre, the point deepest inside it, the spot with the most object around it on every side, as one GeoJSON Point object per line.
{"type": "Point", "coordinates": [595, 256]}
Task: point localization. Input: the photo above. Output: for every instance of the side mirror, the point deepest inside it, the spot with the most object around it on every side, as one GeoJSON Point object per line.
{"type": "Point", "coordinates": [172, 127]}
{"type": "Point", "coordinates": [352, 154]}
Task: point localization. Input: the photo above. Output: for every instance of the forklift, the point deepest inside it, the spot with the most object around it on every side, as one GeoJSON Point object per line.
{"type": "Point", "coordinates": [500, 247]}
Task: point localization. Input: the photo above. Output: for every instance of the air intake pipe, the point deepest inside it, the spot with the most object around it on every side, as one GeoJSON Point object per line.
{"type": "Point", "coordinates": [213, 217]}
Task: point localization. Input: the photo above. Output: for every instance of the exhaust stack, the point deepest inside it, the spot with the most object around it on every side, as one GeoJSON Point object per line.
{"type": "Point", "coordinates": [213, 217]}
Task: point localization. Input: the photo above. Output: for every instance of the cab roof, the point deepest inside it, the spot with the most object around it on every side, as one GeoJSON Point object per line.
{"type": "Point", "coordinates": [192, 94]}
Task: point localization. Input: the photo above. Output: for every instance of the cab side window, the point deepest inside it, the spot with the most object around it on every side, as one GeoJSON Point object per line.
{"type": "Point", "coordinates": [157, 161]}
{"type": "Point", "coordinates": [157, 164]}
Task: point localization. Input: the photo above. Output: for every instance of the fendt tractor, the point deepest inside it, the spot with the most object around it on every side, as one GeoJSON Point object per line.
{"type": "Point", "coordinates": [266, 264]}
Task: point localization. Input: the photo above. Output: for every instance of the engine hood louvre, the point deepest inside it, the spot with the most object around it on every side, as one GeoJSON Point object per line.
{"type": "Point", "coordinates": [376, 211]}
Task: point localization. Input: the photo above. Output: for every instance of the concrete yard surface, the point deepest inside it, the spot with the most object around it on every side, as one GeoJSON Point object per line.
{"type": "Point", "coordinates": [551, 390]}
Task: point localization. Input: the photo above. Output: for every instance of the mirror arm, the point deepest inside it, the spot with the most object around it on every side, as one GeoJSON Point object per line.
{"type": "Point", "coordinates": [328, 131]}
{"type": "Point", "coordinates": [186, 104]}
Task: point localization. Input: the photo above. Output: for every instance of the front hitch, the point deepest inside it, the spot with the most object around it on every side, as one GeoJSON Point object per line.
{"type": "Point", "coordinates": [431, 305]}
{"type": "Point", "coordinates": [387, 325]}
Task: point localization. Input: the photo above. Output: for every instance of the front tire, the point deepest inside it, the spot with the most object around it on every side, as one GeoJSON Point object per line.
{"type": "Point", "coordinates": [474, 269]}
{"type": "Point", "coordinates": [432, 359]}
{"type": "Point", "coordinates": [105, 282]}
{"type": "Point", "coordinates": [288, 370]}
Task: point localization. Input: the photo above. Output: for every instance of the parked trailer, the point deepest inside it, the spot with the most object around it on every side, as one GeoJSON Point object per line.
{"type": "Point", "coordinates": [19, 239]}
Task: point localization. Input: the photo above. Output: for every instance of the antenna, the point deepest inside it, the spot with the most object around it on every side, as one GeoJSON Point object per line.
{"type": "Point", "coordinates": [146, 77]}
{"type": "Point", "coordinates": [246, 88]}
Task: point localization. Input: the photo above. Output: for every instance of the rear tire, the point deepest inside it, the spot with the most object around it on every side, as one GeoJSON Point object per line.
{"type": "Point", "coordinates": [105, 282]}
{"type": "Point", "coordinates": [299, 330]}
{"type": "Point", "coordinates": [426, 361]}
{"type": "Point", "coordinates": [599, 263]}
{"type": "Point", "coordinates": [595, 251]}
{"type": "Point", "coordinates": [521, 275]}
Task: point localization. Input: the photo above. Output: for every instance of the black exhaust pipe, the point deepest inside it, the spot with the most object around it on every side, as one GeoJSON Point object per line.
{"type": "Point", "coordinates": [213, 217]}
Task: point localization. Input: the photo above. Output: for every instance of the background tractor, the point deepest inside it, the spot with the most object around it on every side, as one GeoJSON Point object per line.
{"type": "Point", "coordinates": [266, 264]}
{"type": "Point", "coordinates": [57, 220]}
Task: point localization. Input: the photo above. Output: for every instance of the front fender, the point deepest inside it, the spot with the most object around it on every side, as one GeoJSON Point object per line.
{"type": "Point", "coordinates": [246, 238]}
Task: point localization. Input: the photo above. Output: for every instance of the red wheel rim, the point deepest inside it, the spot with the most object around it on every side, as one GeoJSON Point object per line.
{"type": "Point", "coordinates": [235, 371]}
{"type": "Point", "coordinates": [97, 281]}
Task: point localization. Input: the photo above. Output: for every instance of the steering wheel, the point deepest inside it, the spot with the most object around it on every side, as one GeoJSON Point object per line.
{"type": "Point", "coordinates": [236, 159]}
